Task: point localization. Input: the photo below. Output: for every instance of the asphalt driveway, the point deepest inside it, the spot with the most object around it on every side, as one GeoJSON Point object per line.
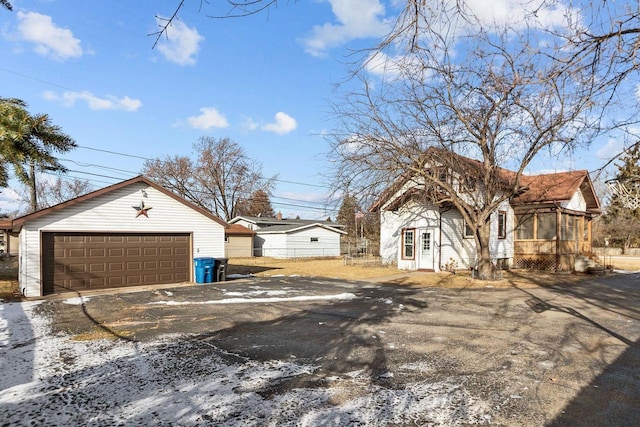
{"type": "Point", "coordinates": [335, 353]}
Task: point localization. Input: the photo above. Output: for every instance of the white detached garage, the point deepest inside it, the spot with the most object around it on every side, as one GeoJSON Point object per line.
{"type": "Point", "coordinates": [131, 233]}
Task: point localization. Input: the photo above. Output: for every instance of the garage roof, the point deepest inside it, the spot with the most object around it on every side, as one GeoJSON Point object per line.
{"type": "Point", "coordinates": [18, 222]}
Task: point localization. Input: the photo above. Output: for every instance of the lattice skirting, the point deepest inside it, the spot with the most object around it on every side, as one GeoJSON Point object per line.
{"type": "Point", "coordinates": [535, 262]}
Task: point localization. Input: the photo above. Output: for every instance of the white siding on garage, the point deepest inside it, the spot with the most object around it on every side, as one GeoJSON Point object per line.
{"type": "Point", "coordinates": [273, 245]}
{"type": "Point", "coordinates": [299, 243]}
{"type": "Point", "coordinates": [313, 241]}
{"type": "Point", "coordinates": [114, 212]}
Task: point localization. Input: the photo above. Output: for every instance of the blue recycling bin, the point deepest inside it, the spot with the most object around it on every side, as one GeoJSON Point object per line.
{"type": "Point", "coordinates": [204, 269]}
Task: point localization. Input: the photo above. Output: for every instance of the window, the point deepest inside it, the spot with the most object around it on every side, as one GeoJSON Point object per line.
{"type": "Point", "coordinates": [567, 227]}
{"type": "Point", "coordinates": [466, 184]}
{"type": "Point", "coordinates": [408, 240]}
{"type": "Point", "coordinates": [468, 232]}
{"type": "Point", "coordinates": [502, 225]}
{"type": "Point", "coordinates": [585, 230]}
{"type": "Point", "coordinates": [524, 227]}
{"type": "Point", "coordinates": [315, 239]}
{"type": "Point", "coordinates": [443, 175]}
{"type": "Point", "coordinates": [546, 226]}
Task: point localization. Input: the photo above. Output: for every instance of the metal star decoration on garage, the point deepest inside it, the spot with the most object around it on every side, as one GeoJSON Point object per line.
{"type": "Point", "coordinates": [142, 209]}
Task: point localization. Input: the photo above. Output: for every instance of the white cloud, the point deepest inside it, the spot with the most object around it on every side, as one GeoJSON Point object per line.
{"type": "Point", "coordinates": [109, 102]}
{"type": "Point", "coordinates": [355, 19]}
{"type": "Point", "coordinates": [519, 13]}
{"type": "Point", "coordinates": [209, 117]}
{"type": "Point", "coordinates": [10, 201]}
{"type": "Point", "coordinates": [284, 124]}
{"type": "Point", "coordinates": [49, 39]}
{"type": "Point", "coordinates": [249, 124]}
{"type": "Point", "coordinates": [181, 43]}
{"type": "Point", "coordinates": [610, 149]}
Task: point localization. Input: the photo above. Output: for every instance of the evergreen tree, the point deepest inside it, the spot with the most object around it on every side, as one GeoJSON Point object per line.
{"type": "Point", "coordinates": [27, 143]}
{"type": "Point", "coordinates": [621, 223]}
{"type": "Point", "coordinates": [347, 216]}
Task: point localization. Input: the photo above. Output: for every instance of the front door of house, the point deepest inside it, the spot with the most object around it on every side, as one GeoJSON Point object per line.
{"type": "Point", "coordinates": [425, 252]}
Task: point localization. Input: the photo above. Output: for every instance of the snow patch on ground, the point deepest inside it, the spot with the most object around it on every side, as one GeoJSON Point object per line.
{"type": "Point", "coordinates": [76, 300]}
{"type": "Point", "coordinates": [336, 297]}
{"type": "Point", "coordinates": [183, 380]}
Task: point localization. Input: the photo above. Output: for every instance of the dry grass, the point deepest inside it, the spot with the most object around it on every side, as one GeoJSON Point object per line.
{"type": "Point", "coordinates": [9, 289]}
{"type": "Point", "coordinates": [335, 268]}
{"type": "Point", "coordinates": [625, 264]}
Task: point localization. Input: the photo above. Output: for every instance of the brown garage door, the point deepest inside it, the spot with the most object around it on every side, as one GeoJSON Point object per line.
{"type": "Point", "coordinates": [83, 261]}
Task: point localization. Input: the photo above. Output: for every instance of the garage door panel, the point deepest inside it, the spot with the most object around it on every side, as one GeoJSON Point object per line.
{"type": "Point", "coordinates": [97, 252]}
{"type": "Point", "coordinates": [115, 252]}
{"type": "Point", "coordinates": [76, 253]}
{"type": "Point", "coordinates": [134, 266]}
{"type": "Point", "coordinates": [150, 252]}
{"type": "Point", "coordinates": [133, 280]}
{"type": "Point", "coordinates": [76, 261]}
{"type": "Point", "coordinates": [97, 268]}
{"type": "Point", "coordinates": [97, 282]}
{"type": "Point", "coordinates": [114, 282]}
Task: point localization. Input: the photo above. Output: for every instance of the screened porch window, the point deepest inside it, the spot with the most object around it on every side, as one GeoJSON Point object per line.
{"type": "Point", "coordinates": [546, 226]}
{"type": "Point", "coordinates": [524, 228]}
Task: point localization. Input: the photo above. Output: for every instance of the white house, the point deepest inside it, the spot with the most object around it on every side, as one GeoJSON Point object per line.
{"type": "Point", "coordinates": [548, 226]}
{"type": "Point", "coordinates": [293, 238]}
{"type": "Point", "coordinates": [128, 234]}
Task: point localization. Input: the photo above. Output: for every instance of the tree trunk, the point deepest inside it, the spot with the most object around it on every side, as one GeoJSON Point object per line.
{"type": "Point", "coordinates": [32, 187]}
{"type": "Point", "coordinates": [485, 267]}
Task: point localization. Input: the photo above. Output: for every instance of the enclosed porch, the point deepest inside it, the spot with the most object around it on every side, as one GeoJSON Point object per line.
{"type": "Point", "coordinates": [551, 239]}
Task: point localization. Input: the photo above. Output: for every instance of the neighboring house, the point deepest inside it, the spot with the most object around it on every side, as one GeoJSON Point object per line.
{"type": "Point", "coordinates": [128, 234]}
{"type": "Point", "coordinates": [293, 238]}
{"type": "Point", "coordinates": [238, 241]}
{"type": "Point", "coordinates": [8, 241]}
{"type": "Point", "coordinates": [548, 226]}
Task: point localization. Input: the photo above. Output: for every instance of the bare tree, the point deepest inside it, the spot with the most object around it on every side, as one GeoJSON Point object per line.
{"type": "Point", "coordinates": [177, 173]}
{"type": "Point", "coordinates": [219, 180]}
{"type": "Point", "coordinates": [462, 102]}
{"type": "Point", "coordinates": [234, 9]}
{"type": "Point", "coordinates": [54, 190]}
{"type": "Point", "coordinates": [258, 204]}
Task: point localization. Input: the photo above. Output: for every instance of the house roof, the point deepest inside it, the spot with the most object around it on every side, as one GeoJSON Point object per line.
{"type": "Point", "coordinates": [238, 230]}
{"type": "Point", "coordinates": [536, 189]}
{"type": "Point", "coordinates": [442, 158]}
{"type": "Point", "coordinates": [271, 222]}
{"type": "Point", "coordinates": [558, 187]}
{"type": "Point", "coordinates": [18, 222]}
{"type": "Point", "coordinates": [290, 228]}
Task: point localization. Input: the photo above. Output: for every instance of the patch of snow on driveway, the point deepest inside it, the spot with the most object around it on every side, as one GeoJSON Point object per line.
{"type": "Point", "coordinates": [53, 380]}
{"type": "Point", "coordinates": [340, 297]}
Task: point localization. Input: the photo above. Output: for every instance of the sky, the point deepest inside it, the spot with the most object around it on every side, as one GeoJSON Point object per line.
{"type": "Point", "coordinates": [265, 81]}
